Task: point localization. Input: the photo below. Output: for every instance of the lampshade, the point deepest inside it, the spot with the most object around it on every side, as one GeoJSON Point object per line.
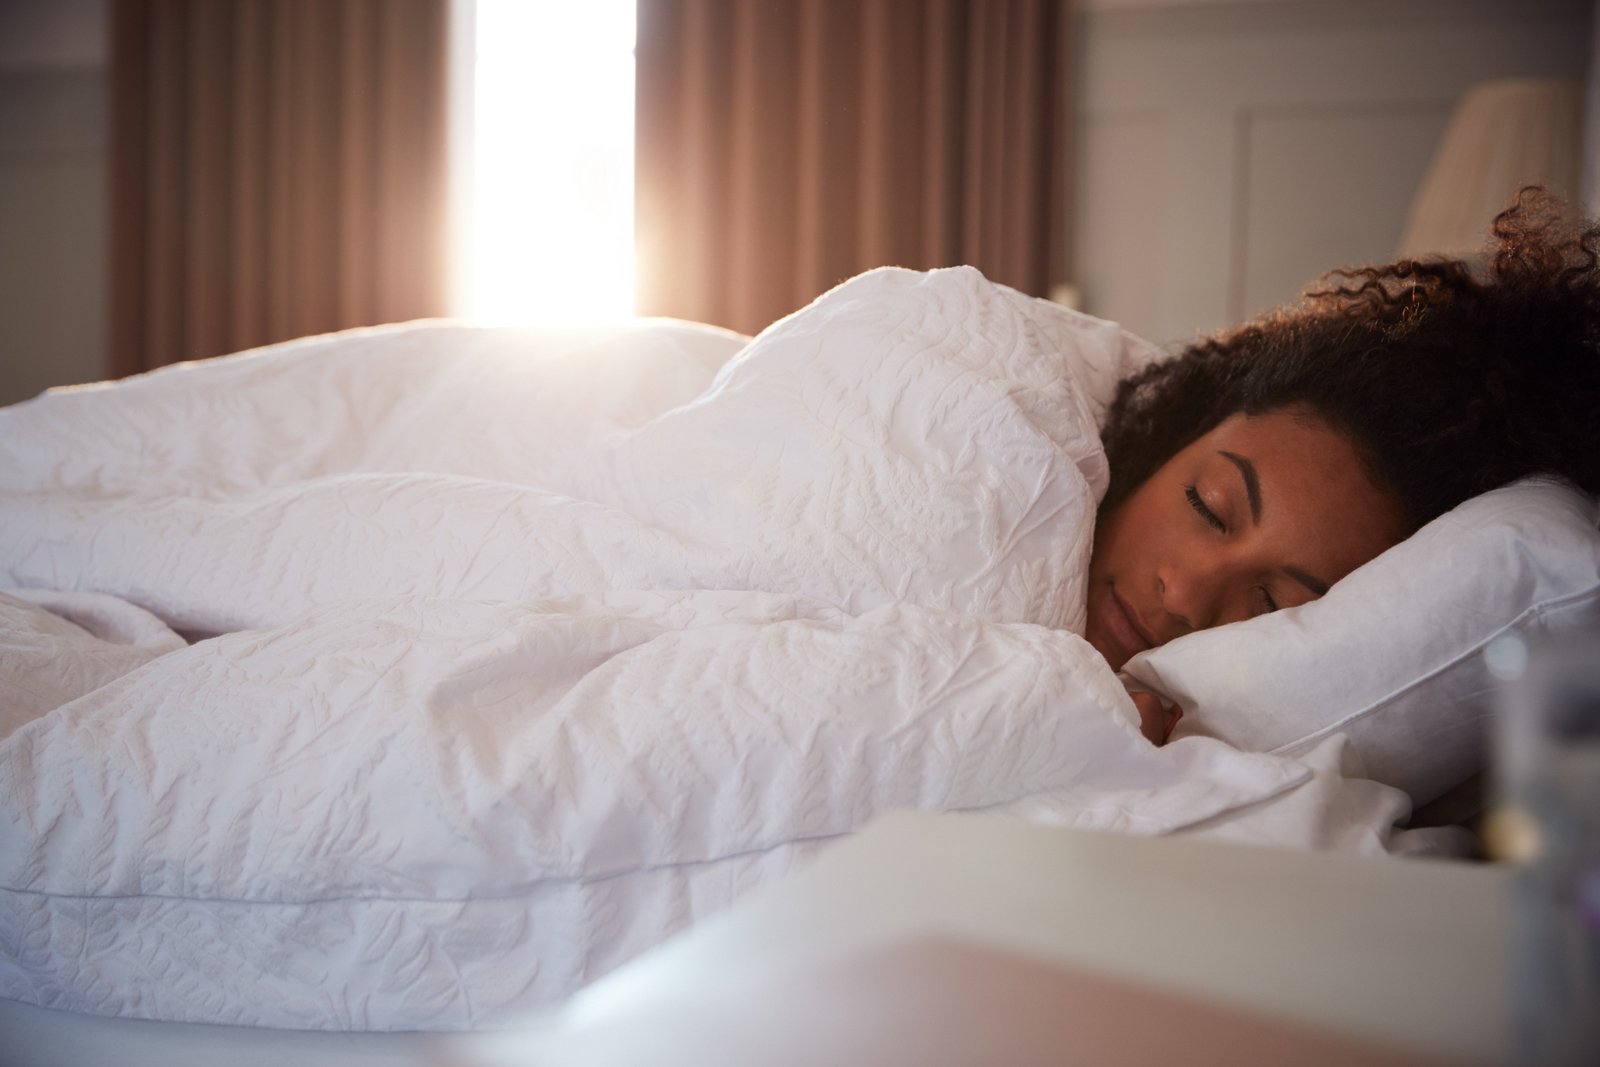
{"type": "Point", "coordinates": [1503, 135]}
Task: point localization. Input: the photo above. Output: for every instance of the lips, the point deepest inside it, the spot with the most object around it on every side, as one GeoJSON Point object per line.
{"type": "Point", "coordinates": [1123, 625]}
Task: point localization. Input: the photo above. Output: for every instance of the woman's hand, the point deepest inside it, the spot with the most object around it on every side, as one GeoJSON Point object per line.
{"type": "Point", "coordinates": [1156, 719]}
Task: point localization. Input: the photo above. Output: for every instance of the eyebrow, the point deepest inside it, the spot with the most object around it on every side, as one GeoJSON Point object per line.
{"type": "Point", "coordinates": [1315, 585]}
{"type": "Point", "coordinates": [1252, 484]}
{"type": "Point", "coordinates": [1252, 489]}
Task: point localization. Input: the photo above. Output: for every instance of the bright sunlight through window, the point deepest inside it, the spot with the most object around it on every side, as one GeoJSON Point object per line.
{"type": "Point", "coordinates": [551, 234]}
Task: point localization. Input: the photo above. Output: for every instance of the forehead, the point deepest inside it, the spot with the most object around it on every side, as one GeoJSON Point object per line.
{"type": "Point", "coordinates": [1291, 439]}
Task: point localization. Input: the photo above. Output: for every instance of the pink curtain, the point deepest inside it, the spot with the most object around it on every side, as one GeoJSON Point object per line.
{"type": "Point", "coordinates": [278, 169]}
{"type": "Point", "coordinates": [782, 147]}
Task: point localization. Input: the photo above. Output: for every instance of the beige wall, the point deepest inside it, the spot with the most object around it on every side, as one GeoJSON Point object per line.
{"type": "Point", "coordinates": [52, 194]}
{"type": "Point", "coordinates": [1231, 152]}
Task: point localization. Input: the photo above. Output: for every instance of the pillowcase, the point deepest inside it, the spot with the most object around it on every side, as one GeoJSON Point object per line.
{"type": "Point", "coordinates": [1392, 654]}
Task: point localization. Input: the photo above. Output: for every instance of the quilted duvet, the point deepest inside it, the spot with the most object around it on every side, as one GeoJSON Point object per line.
{"type": "Point", "coordinates": [408, 678]}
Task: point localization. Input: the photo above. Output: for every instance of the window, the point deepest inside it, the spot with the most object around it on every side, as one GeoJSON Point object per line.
{"type": "Point", "coordinates": [548, 212]}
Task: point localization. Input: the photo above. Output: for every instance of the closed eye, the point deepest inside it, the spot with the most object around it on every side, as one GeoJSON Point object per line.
{"type": "Point", "coordinates": [1265, 601]}
{"type": "Point", "coordinates": [1203, 511]}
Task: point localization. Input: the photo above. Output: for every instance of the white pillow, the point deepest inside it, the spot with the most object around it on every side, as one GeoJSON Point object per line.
{"type": "Point", "coordinates": [1391, 655]}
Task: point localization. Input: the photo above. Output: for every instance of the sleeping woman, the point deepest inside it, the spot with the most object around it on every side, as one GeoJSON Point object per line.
{"type": "Point", "coordinates": [1259, 466]}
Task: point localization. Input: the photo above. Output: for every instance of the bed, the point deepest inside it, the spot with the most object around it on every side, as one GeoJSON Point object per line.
{"type": "Point", "coordinates": [409, 679]}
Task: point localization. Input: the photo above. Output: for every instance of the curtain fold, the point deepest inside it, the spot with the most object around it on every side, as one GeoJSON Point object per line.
{"type": "Point", "coordinates": [278, 168]}
{"type": "Point", "coordinates": [782, 147]}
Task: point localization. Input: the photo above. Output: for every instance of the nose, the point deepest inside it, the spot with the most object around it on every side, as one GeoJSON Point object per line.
{"type": "Point", "coordinates": [1191, 593]}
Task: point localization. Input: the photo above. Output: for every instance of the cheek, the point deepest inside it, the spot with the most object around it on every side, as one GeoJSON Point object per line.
{"type": "Point", "coordinates": [1104, 549]}
{"type": "Point", "coordinates": [1127, 537]}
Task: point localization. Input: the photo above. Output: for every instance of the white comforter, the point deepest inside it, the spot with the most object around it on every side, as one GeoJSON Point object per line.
{"type": "Point", "coordinates": [524, 650]}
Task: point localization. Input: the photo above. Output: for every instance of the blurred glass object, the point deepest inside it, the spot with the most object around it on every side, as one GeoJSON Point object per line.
{"type": "Point", "coordinates": [1548, 823]}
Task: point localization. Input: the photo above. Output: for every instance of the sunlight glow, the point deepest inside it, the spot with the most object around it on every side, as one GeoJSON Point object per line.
{"type": "Point", "coordinates": [551, 233]}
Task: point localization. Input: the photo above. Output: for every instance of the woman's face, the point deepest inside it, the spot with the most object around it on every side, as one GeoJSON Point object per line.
{"type": "Point", "coordinates": [1263, 512]}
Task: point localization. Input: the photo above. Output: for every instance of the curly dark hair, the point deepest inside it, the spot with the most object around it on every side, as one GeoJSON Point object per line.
{"type": "Point", "coordinates": [1450, 381]}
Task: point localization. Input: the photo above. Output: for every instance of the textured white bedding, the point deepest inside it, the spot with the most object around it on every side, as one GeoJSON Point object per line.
{"type": "Point", "coordinates": [533, 648]}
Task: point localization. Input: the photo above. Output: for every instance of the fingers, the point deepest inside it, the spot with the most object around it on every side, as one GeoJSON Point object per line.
{"type": "Point", "coordinates": [1156, 719]}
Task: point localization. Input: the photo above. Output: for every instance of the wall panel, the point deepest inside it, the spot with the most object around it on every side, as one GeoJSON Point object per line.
{"type": "Point", "coordinates": [1292, 137]}
{"type": "Point", "coordinates": [1357, 156]}
{"type": "Point", "coordinates": [52, 229]}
